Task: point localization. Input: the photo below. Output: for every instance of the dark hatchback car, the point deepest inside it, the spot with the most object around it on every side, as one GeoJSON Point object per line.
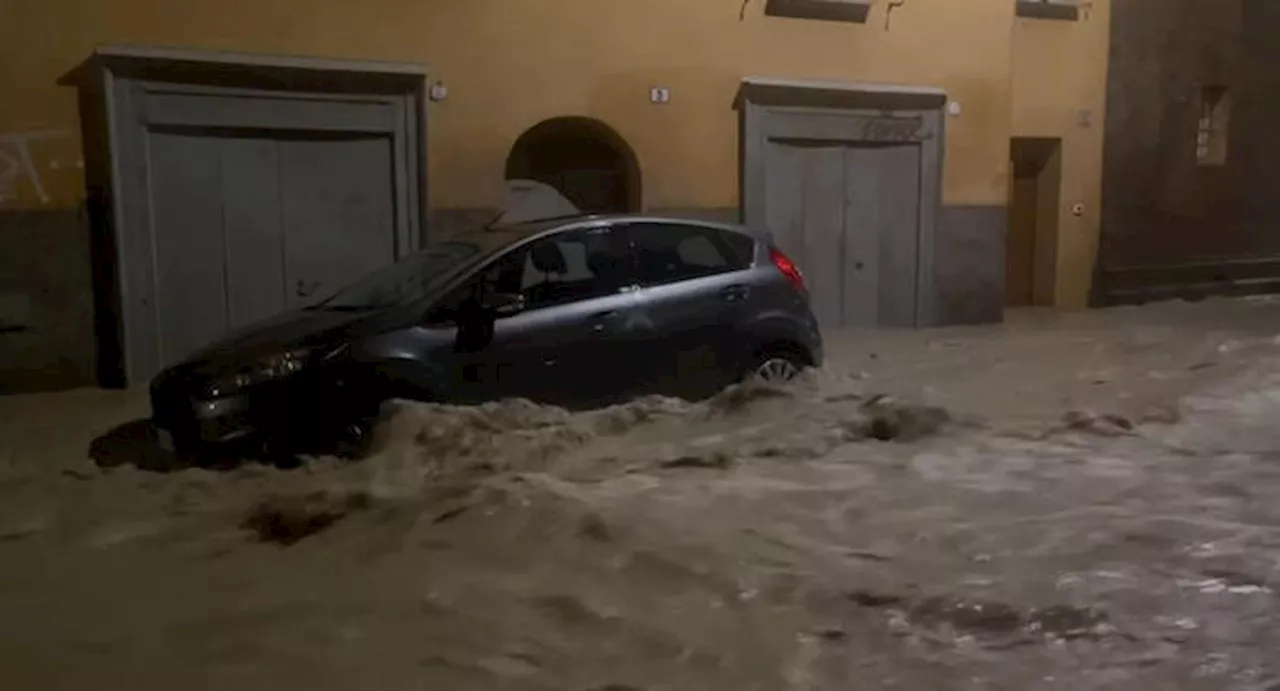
{"type": "Point", "coordinates": [580, 312]}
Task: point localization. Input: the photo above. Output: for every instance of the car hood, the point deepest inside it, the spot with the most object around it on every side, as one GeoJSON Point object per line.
{"type": "Point", "coordinates": [294, 329]}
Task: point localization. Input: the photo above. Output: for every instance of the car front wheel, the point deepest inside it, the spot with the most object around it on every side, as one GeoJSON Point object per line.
{"type": "Point", "coordinates": [355, 439]}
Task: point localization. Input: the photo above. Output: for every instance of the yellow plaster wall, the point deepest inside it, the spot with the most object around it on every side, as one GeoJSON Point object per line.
{"type": "Point", "coordinates": [1059, 90]}
{"type": "Point", "coordinates": [512, 63]}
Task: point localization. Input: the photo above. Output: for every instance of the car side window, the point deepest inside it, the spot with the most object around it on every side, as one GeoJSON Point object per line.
{"type": "Point", "coordinates": [567, 267]}
{"type": "Point", "coordinates": [670, 252]}
{"type": "Point", "coordinates": [445, 311]}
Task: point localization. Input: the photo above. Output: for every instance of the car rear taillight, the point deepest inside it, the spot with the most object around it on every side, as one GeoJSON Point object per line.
{"type": "Point", "coordinates": [788, 269]}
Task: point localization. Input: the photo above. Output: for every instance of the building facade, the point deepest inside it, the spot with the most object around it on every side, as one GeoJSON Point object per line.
{"type": "Point", "coordinates": [1190, 174]}
{"type": "Point", "coordinates": [957, 146]}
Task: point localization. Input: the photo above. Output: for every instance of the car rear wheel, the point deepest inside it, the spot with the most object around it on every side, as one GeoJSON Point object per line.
{"type": "Point", "coordinates": [776, 367]}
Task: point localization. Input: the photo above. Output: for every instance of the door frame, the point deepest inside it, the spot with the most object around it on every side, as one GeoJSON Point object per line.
{"type": "Point", "coordinates": [772, 109]}
{"type": "Point", "coordinates": [1037, 159]}
{"type": "Point", "coordinates": [124, 90]}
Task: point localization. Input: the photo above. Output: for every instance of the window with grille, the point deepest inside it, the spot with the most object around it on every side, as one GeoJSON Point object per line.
{"type": "Point", "coordinates": [1211, 130]}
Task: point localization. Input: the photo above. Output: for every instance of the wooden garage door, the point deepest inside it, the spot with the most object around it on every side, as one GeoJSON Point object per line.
{"type": "Point", "coordinates": [849, 215]}
{"type": "Point", "coordinates": [231, 187]}
{"type": "Point", "coordinates": [246, 226]}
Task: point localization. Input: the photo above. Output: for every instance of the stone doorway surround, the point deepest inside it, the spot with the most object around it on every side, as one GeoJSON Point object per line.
{"type": "Point", "coordinates": [128, 91]}
{"type": "Point", "coordinates": [857, 114]}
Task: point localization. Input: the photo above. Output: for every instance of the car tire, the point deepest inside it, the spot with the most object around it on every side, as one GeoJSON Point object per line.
{"type": "Point", "coordinates": [355, 440]}
{"type": "Point", "coordinates": [775, 366]}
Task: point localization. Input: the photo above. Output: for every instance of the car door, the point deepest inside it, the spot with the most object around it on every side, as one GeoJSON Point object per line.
{"type": "Point", "coordinates": [694, 294]}
{"type": "Point", "coordinates": [577, 324]}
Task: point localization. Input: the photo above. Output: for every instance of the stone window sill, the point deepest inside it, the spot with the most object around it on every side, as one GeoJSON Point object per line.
{"type": "Point", "coordinates": [1049, 9]}
{"type": "Point", "coordinates": [830, 10]}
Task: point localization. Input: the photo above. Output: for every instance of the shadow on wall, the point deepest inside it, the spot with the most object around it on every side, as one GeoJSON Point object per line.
{"type": "Point", "coordinates": [585, 159]}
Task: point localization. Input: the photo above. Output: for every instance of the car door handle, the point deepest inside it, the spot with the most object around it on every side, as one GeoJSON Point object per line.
{"type": "Point", "coordinates": [600, 320]}
{"type": "Point", "coordinates": [304, 289]}
{"type": "Point", "coordinates": [734, 293]}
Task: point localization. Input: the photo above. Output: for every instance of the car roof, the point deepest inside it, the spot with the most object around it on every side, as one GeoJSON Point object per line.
{"type": "Point", "coordinates": [526, 229]}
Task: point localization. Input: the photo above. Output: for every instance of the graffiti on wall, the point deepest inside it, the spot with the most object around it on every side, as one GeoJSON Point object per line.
{"type": "Point", "coordinates": [17, 165]}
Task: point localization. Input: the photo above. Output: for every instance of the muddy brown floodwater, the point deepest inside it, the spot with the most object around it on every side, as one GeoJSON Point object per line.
{"type": "Point", "coordinates": [1077, 502]}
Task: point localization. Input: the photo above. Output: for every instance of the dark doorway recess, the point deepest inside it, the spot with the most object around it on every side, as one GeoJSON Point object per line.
{"type": "Point", "coordinates": [584, 159]}
{"type": "Point", "coordinates": [1032, 240]}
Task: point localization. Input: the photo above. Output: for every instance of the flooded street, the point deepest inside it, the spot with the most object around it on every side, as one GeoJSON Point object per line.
{"type": "Point", "coordinates": [1087, 501]}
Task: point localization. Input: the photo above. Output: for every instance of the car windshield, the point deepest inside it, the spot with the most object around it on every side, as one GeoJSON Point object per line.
{"type": "Point", "coordinates": [405, 281]}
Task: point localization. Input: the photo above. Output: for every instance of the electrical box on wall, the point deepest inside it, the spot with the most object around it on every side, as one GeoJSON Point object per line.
{"type": "Point", "coordinates": [660, 95]}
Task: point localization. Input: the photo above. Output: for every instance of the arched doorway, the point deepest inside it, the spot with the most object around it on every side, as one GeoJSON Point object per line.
{"type": "Point", "coordinates": [585, 159]}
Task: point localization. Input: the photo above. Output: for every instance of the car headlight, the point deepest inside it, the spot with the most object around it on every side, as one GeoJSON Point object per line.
{"type": "Point", "coordinates": [270, 368]}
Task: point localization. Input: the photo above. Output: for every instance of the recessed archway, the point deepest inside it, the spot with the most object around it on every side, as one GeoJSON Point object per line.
{"type": "Point", "coordinates": [585, 159]}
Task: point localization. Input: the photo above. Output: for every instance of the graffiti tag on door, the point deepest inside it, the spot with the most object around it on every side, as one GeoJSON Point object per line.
{"type": "Point", "coordinates": [909, 129]}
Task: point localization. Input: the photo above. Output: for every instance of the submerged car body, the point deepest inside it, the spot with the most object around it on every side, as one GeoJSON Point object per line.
{"type": "Point", "coordinates": [580, 311]}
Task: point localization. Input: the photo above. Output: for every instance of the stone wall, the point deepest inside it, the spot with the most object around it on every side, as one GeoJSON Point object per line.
{"type": "Point", "coordinates": [1171, 227]}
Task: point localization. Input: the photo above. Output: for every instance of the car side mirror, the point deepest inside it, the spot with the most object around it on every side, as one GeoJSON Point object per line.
{"type": "Point", "coordinates": [503, 304]}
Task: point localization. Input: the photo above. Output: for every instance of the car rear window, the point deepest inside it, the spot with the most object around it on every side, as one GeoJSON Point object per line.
{"type": "Point", "coordinates": [741, 246]}
{"type": "Point", "coordinates": [670, 252]}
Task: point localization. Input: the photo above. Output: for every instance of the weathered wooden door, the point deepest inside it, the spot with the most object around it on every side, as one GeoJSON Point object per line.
{"type": "Point", "coordinates": [336, 205]}
{"type": "Point", "coordinates": [237, 187]}
{"type": "Point", "coordinates": [848, 214]}
{"type": "Point", "coordinates": [248, 226]}
{"type": "Point", "coordinates": [848, 178]}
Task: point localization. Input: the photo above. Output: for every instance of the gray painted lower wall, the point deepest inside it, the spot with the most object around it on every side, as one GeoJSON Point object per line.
{"type": "Point", "coordinates": [46, 301]}
{"type": "Point", "coordinates": [969, 265]}
{"type": "Point", "coordinates": [47, 337]}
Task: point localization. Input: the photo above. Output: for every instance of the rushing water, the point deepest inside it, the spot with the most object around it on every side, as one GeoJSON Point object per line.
{"type": "Point", "coordinates": [814, 537]}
